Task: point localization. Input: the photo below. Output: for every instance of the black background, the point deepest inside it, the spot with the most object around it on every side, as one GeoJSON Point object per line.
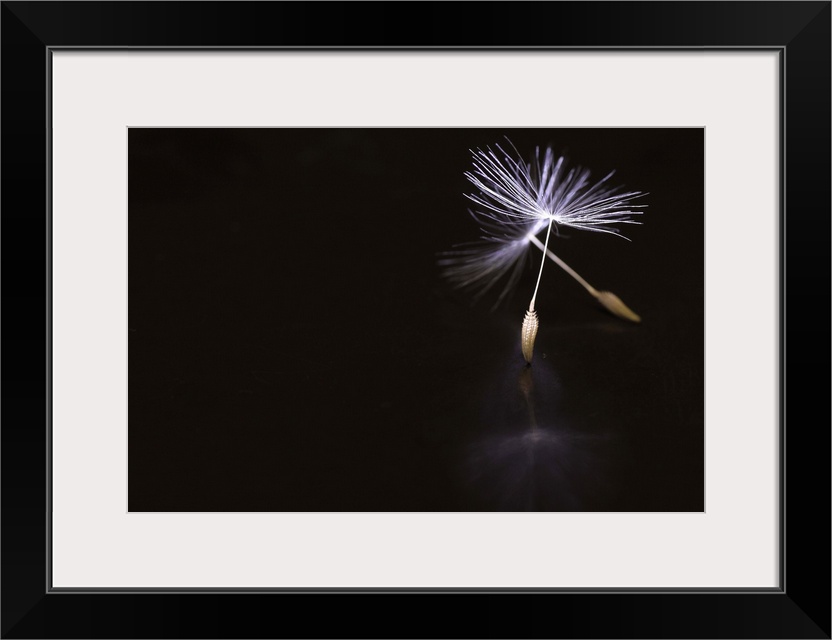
{"type": "Point", "coordinates": [293, 346]}
{"type": "Point", "coordinates": [798, 608]}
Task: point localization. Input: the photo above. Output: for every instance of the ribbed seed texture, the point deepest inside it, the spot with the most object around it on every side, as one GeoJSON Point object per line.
{"type": "Point", "coordinates": [528, 333]}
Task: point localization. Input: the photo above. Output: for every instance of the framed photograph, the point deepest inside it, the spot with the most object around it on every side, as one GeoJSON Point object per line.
{"type": "Point", "coordinates": [376, 409]}
{"type": "Point", "coordinates": [340, 315]}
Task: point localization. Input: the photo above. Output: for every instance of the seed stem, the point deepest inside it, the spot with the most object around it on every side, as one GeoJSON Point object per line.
{"type": "Point", "coordinates": [544, 248]}
{"type": "Point", "coordinates": [609, 300]}
{"type": "Point", "coordinates": [542, 262]}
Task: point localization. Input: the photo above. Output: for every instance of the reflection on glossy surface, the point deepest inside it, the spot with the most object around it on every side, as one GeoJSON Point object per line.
{"type": "Point", "coordinates": [534, 466]}
{"type": "Point", "coordinates": [271, 375]}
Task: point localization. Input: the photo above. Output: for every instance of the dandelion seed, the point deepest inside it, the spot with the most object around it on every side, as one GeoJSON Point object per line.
{"type": "Point", "coordinates": [528, 333]}
{"type": "Point", "coordinates": [514, 202]}
{"type": "Point", "coordinates": [609, 300]}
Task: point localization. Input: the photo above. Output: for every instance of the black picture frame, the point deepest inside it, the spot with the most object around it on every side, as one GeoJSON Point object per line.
{"type": "Point", "coordinates": [799, 31]}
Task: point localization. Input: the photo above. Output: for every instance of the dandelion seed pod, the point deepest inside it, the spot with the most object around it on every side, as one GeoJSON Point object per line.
{"type": "Point", "coordinates": [528, 333]}
{"type": "Point", "coordinates": [614, 305]}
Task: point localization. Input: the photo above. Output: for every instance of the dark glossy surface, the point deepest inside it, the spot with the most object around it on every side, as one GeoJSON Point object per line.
{"type": "Point", "coordinates": [293, 346]}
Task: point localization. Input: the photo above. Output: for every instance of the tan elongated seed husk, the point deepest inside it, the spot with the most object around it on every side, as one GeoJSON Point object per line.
{"type": "Point", "coordinates": [528, 333]}
{"type": "Point", "coordinates": [613, 304]}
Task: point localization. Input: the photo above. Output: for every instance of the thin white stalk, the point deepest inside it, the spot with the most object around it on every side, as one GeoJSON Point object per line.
{"type": "Point", "coordinates": [592, 290]}
{"type": "Point", "coordinates": [609, 300]}
{"type": "Point", "coordinates": [528, 332]}
{"type": "Point", "coordinates": [542, 262]}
